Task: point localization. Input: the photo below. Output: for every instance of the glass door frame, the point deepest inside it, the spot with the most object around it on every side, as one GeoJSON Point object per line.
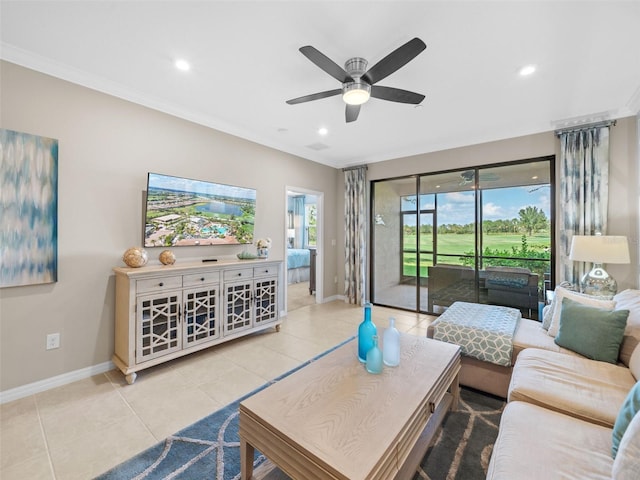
{"type": "Point", "coordinates": [478, 232]}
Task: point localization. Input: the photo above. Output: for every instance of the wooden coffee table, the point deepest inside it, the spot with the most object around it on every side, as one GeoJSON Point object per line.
{"type": "Point", "coordinates": [333, 420]}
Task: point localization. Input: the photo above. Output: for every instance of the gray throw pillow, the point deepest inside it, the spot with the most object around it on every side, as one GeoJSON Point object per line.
{"type": "Point", "coordinates": [593, 332]}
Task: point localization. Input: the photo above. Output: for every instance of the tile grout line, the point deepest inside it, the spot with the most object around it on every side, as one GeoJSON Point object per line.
{"type": "Point", "coordinates": [44, 437]}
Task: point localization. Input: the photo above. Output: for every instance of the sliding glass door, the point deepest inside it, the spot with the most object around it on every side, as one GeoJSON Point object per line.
{"type": "Point", "coordinates": [479, 235]}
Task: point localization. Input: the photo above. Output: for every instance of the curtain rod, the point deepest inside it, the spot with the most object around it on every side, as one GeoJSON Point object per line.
{"type": "Point", "coordinates": [587, 126]}
{"type": "Point", "coordinates": [345, 169]}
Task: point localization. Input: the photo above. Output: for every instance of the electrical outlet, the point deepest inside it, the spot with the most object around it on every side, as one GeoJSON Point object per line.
{"type": "Point", "coordinates": [335, 279]}
{"type": "Point", "coordinates": [53, 341]}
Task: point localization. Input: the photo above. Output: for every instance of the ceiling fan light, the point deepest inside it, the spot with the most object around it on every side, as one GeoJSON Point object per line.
{"type": "Point", "coordinates": [356, 93]}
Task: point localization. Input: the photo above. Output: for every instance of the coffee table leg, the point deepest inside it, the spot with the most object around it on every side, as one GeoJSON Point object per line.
{"type": "Point", "coordinates": [246, 460]}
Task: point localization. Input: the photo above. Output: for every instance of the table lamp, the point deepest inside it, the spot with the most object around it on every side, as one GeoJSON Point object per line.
{"type": "Point", "coordinates": [599, 249]}
{"type": "Point", "coordinates": [291, 234]}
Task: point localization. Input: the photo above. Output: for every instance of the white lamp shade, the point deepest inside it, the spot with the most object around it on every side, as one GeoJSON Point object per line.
{"type": "Point", "coordinates": [600, 249]}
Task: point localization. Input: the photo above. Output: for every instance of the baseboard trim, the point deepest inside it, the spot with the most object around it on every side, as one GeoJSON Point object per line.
{"type": "Point", "coordinates": [53, 382]}
{"type": "Point", "coordinates": [333, 298]}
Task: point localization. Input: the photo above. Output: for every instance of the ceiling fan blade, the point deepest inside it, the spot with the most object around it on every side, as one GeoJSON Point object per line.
{"type": "Point", "coordinates": [326, 64]}
{"type": "Point", "coordinates": [315, 96]}
{"type": "Point", "coordinates": [396, 95]}
{"type": "Point", "coordinates": [351, 113]}
{"type": "Point", "coordinates": [392, 62]}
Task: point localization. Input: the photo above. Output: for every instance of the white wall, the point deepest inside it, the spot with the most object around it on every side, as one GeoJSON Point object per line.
{"type": "Point", "coordinates": [106, 148]}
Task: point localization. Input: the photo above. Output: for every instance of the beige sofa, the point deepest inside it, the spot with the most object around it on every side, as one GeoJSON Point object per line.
{"type": "Point", "coordinates": [563, 410]}
{"type": "Point", "coordinates": [495, 379]}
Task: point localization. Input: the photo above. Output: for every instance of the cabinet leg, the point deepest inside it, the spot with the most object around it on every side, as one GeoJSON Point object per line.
{"type": "Point", "coordinates": [277, 328]}
{"type": "Point", "coordinates": [131, 378]}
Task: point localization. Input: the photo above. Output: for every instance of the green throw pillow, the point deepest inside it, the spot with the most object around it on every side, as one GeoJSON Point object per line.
{"type": "Point", "coordinates": [593, 332]}
{"type": "Point", "coordinates": [630, 407]}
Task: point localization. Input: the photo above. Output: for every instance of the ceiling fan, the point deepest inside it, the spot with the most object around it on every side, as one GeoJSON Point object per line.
{"type": "Point", "coordinates": [468, 177]}
{"type": "Point", "coordinates": [358, 83]}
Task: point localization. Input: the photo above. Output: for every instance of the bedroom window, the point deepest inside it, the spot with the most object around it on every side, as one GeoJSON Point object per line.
{"type": "Point", "coordinates": [311, 222]}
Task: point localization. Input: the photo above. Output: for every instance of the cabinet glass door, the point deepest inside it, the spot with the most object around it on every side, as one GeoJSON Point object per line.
{"type": "Point", "coordinates": [266, 300]}
{"type": "Point", "coordinates": [158, 322]}
{"type": "Point", "coordinates": [238, 311]}
{"type": "Point", "coordinates": [201, 315]}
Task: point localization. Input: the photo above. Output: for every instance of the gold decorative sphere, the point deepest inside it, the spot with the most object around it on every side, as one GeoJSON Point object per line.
{"type": "Point", "coordinates": [135, 257]}
{"type": "Point", "coordinates": [167, 257]}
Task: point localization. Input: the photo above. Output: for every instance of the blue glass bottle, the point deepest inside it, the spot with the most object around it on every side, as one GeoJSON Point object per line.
{"type": "Point", "coordinates": [374, 357]}
{"type": "Point", "coordinates": [366, 331]}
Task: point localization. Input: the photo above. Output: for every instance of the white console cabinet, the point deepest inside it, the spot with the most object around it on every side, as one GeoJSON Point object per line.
{"type": "Point", "coordinates": [166, 311]}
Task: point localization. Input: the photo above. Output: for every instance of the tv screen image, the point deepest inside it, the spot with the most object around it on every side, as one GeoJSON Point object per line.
{"type": "Point", "coordinates": [185, 212]}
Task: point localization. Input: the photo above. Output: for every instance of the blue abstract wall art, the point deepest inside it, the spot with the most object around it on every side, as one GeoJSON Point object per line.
{"type": "Point", "coordinates": [28, 209]}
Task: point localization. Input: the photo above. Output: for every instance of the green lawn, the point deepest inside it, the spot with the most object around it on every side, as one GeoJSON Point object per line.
{"type": "Point", "coordinates": [458, 244]}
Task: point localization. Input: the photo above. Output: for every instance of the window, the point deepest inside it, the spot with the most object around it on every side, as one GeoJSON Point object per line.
{"type": "Point", "coordinates": [462, 226]}
{"type": "Point", "coordinates": [311, 222]}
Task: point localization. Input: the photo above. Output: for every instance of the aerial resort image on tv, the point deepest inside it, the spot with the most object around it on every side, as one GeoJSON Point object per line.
{"type": "Point", "coordinates": [182, 211]}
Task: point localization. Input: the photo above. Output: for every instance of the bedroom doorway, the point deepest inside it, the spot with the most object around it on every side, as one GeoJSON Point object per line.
{"type": "Point", "coordinates": [303, 247]}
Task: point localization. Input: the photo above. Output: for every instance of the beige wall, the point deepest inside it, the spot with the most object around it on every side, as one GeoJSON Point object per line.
{"type": "Point", "coordinates": [106, 148]}
{"type": "Point", "coordinates": [624, 191]}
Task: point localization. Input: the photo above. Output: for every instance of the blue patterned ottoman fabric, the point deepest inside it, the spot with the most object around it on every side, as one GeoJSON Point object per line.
{"type": "Point", "coordinates": [484, 332]}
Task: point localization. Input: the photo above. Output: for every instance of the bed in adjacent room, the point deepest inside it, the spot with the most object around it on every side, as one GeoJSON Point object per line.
{"type": "Point", "coordinates": [298, 265]}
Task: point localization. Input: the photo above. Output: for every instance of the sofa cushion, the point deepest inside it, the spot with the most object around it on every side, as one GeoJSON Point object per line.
{"type": "Point", "coordinates": [629, 300]}
{"type": "Point", "coordinates": [530, 334]}
{"type": "Point", "coordinates": [507, 279]}
{"type": "Point", "coordinates": [634, 363]}
{"type": "Point", "coordinates": [630, 407]}
{"type": "Point", "coordinates": [626, 465]}
{"type": "Point", "coordinates": [561, 293]}
{"type": "Point", "coordinates": [570, 384]}
{"type": "Point", "coordinates": [593, 332]}
{"type": "Point", "coordinates": [547, 314]}
{"type": "Point", "coordinates": [535, 443]}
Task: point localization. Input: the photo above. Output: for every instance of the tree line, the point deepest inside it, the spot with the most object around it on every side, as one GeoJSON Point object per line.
{"type": "Point", "coordinates": [530, 220]}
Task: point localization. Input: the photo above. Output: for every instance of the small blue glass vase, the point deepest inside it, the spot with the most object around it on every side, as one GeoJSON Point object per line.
{"type": "Point", "coordinates": [374, 358]}
{"type": "Point", "coordinates": [366, 331]}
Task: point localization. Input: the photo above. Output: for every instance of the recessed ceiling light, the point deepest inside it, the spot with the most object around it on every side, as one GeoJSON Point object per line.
{"type": "Point", "coordinates": [527, 70]}
{"type": "Point", "coordinates": [323, 131]}
{"type": "Point", "coordinates": [535, 177]}
{"type": "Point", "coordinates": [183, 65]}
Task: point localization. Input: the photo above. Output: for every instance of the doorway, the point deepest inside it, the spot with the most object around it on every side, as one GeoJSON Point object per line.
{"type": "Point", "coordinates": [303, 255]}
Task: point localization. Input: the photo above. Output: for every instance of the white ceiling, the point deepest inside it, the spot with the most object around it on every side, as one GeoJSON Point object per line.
{"type": "Point", "coordinates": [246, 63]}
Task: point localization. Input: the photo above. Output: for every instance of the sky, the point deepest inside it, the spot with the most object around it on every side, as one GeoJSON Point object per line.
{"type": "Point", "coordinates": [498, 204]}
{"type": "Point", "coordinates": [189, 185]}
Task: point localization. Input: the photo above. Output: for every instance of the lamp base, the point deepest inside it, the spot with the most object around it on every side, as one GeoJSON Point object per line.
{"type": "Point", "coordinates": [598, 283]}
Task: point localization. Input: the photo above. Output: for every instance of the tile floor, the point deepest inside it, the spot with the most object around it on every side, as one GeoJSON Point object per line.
{"type": "Point", "coordinates": [80, 430]}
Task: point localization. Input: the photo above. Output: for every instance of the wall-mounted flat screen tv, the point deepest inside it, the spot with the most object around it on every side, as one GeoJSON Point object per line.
{"type": "Point", "coordinates": [185, 212]}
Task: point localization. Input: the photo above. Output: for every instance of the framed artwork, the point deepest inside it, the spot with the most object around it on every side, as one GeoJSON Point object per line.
{"type": "Point", "coordinates": [28, 209]}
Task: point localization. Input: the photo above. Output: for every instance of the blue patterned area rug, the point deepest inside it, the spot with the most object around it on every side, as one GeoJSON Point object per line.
{"type": "Point", "coordinates": [210, 448]}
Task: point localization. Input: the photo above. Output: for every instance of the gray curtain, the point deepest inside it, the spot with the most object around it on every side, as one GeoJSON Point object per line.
{"type": "Point", "coordinates": [584, 198]}
{"type": "Point", "coordinates": [355, 235]}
